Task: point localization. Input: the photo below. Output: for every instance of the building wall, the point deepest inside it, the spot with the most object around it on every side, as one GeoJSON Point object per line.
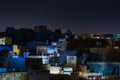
{"type": "Point", "coordinates": [14, 76]}
{"type": "Point", "coordinates": [105, 68]}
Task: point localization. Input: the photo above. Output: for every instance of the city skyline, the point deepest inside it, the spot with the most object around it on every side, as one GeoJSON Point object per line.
{"type": "Point", "coordinates": [78, 16]}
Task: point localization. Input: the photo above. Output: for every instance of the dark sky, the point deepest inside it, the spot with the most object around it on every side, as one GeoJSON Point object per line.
{"type": "Point", "coordinates": [89, 16]}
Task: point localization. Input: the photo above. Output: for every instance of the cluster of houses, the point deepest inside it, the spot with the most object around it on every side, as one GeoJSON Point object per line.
{"type": "Point", "coordinates": [60, 52]}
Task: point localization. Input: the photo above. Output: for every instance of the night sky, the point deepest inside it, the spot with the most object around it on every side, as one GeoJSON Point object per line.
{"type": "Point", "coordinates": [80, 16]}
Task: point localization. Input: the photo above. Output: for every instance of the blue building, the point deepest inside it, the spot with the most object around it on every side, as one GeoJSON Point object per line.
{"type": "Point", "coordinates": [107, 69]}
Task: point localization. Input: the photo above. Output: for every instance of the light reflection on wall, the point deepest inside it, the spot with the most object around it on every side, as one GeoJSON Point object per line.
{"type": "Point", "coordinates": [51, 50]}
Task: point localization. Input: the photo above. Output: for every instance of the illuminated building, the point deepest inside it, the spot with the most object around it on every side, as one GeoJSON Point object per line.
{"type": "Point", "coordinates": [18, 50]}
{"type": "Point", "coordinates": [55, 70]}
{"type": "Point", "coordinates": [5, 40]}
